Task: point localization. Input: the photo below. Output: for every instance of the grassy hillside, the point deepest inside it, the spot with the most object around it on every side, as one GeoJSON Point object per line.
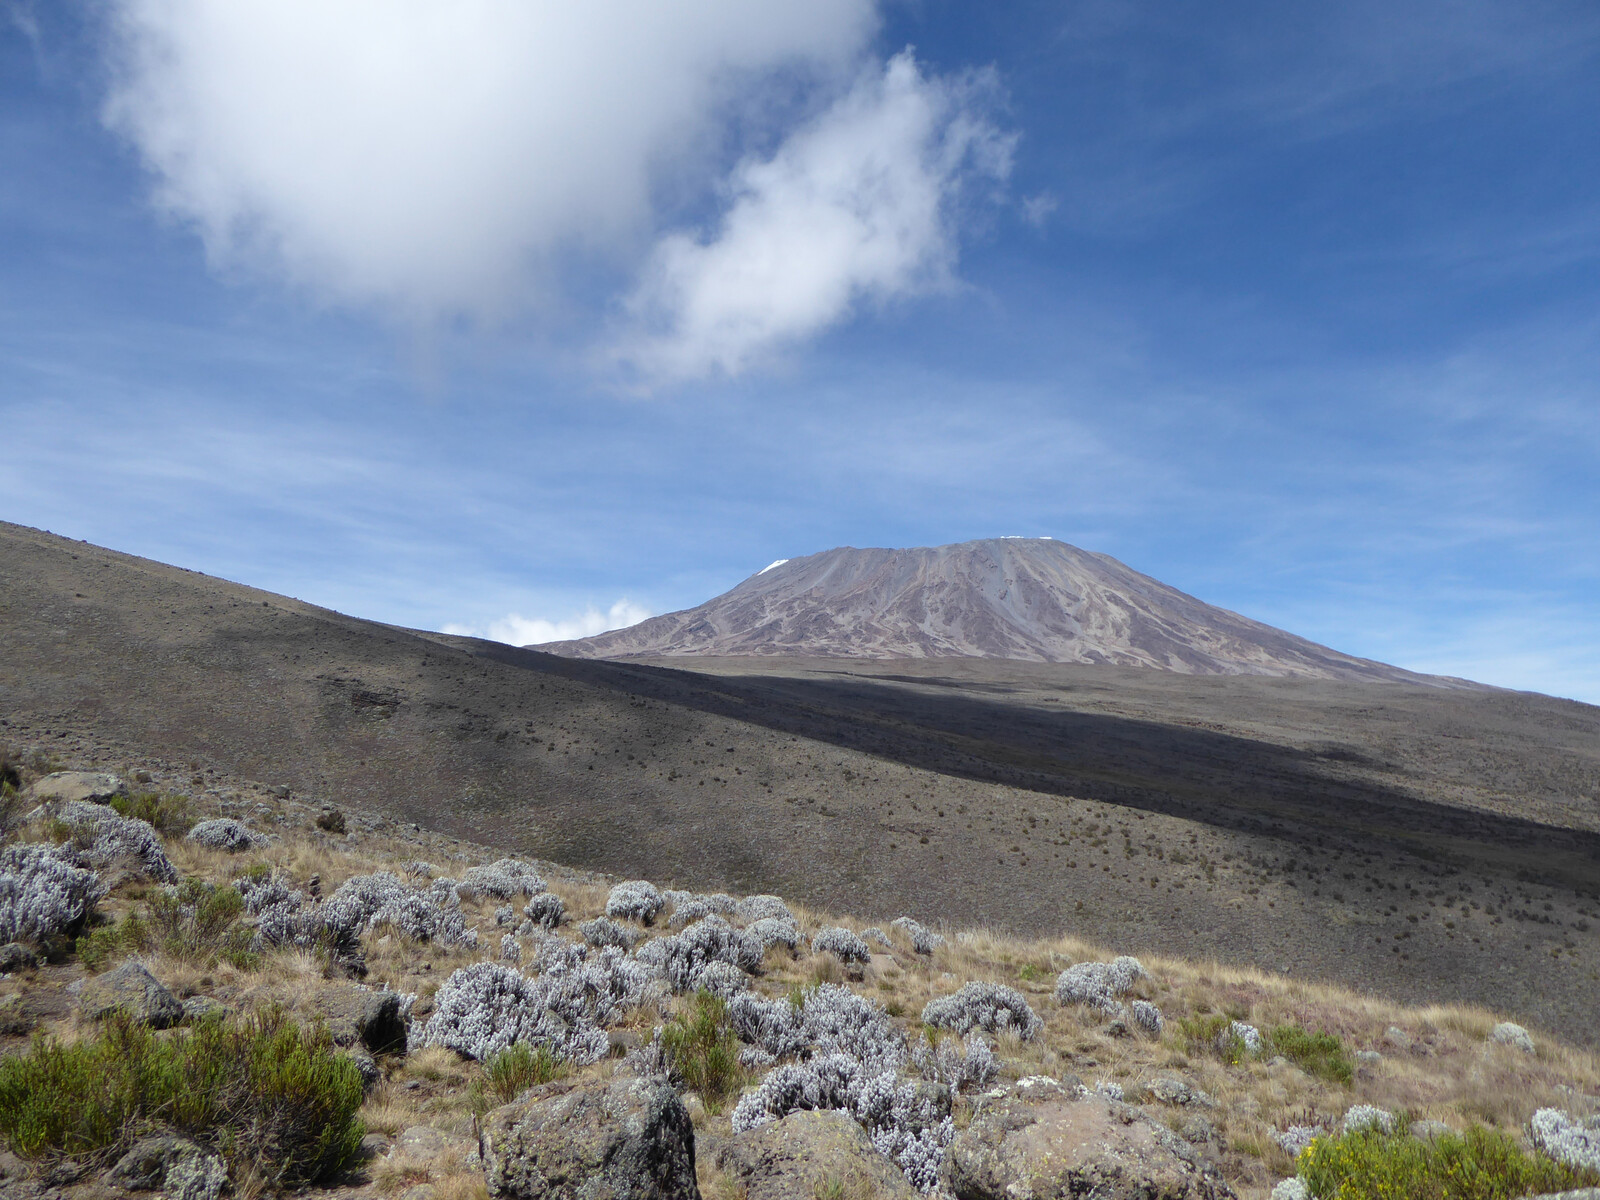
{"type": "Point", "coordinates": [1326, 1049]}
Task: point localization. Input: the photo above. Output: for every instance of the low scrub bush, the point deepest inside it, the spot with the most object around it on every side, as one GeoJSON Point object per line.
{"type": "Point", "coordinates": [195, 922]}
{"type": "Point", "coordinates": [169, 815]}
{"type": "Point", "coordinates": [702, 1050]}
{"type": "Point", "coordinates": [266, 1094]}
{"type": "Point", "coordinates": [512, 1071]}
{"type": "Point", "coordinates": [1480, 1164]}
{"type": "Point", "coordinates": [1316, 1053]}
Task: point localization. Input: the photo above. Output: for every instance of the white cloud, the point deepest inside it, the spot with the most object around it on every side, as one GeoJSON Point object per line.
{"type": "Point", "coordinates": [860, 205]}
{"type": "Point", "coordinates": [517, 630]}
{"type": "Point", "coordinates": [438, 157]}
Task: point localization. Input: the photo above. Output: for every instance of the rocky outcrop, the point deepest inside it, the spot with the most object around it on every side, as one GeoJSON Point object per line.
{"type": "Point", "coordinates": [1039, 1141]}
{"type": "Point", "coordinates": [94, 787]}
{"type": "Point", "coordinates": [811, 1154]}
{"type": "Point", "coordinates": [131, 989]}
{"type": "Point", "coordinates": [626, 1138]}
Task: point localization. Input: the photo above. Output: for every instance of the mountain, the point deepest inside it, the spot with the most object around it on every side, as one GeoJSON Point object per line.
{"type": "Point", "coordinates": [1028, 599]}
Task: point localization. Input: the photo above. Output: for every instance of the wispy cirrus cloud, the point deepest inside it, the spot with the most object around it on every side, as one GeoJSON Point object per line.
{"type": "Point", "coordinates": [858, 207]}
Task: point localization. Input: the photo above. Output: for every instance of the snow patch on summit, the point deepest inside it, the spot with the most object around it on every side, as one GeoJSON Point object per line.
{"type": "Point", "coordinates": [769, 567]}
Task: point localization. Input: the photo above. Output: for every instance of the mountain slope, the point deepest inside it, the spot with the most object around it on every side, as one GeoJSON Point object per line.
{"type": "Point", "coordinates": [1029, 599]}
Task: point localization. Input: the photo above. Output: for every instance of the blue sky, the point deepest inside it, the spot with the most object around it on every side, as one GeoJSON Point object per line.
{"type": "Point", "coordinates": [520, 317]}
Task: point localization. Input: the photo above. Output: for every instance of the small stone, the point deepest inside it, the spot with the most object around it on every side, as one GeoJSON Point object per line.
{"type": "Point", "coordinates": [1368, 1058]}
{"type": "Point", "coordinates": [1397, 1038]}
{"type": "Point", "coordinates": [331, 820]}
{"type": "Point", "coordinates": [14, 957]}
{"type": "Point", "coordinates": [198, 1008]}
{"type": "Point", "coordinates": [371, 1073]}
{"type": "Point", "coordinates": [1428, 1130]}
{"type": "Point", "coordinates": [133, 989]}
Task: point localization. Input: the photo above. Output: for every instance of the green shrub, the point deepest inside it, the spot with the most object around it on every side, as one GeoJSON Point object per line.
{"type": "Point", "coordinates": [1316, 1053]}
{"type": "Point", "coordinates": [512, 1071]}
{"type": "Point", "coordinates": [169, 814]}
{"type": "Point", "coordinates": [195, 922]}
{"type": "Point", "coordinates": [266, 1094]}
{"type": "Point", "coordinates": [701, 1048]}
{"type": "Point", "coordinates": [1480, 1164]}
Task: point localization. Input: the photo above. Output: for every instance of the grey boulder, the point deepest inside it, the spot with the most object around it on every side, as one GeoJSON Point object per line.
{"type": "Point", "coordinates": [14, 957]}
{"type": "Point", "coordinates": [1038, 1141]}
{"type": "Point", "coordinates": [132, 989]}
{"type": "Point", "coordinates": [625, 1138]}
{"type": "Point", "coordinates": [172, 1165]}
{"type": "Point", "coordinates": [810, 1154]}
{"type": "Point", "coordinates": [357, 1014]}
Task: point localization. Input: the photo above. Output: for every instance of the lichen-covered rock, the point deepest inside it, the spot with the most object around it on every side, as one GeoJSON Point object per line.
{"type": "Point", "coordinates": [202, 1008]}
{"type": "Point", "coordinates": [989, 1006]}
{"type": "Point", "coordinates": [626, 1138]}
{"type": "Point", "coordinates": [134, 990]}
{"type": "Point", "coordinates": [807, 1154]}
{"type": "Point", "coordinates": [357, 1014]}
{"type": "Point", "coordinates": [14, 957]}
{"type": "Point", "coordinates": [91, 787]}
{"type": "Point", "coordinates": [1040, 1142]}
{"type": "Point", "coordinates": [636, 900]}
{"type": "Point", "coordinates": [1509, 1033]}
{"type": "Point", "coordinates": [1290, 1189]}
{"type": "Point", "coordinates": [224, 833]}
{"type": "Point", "coordinates": [171, 1165]}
